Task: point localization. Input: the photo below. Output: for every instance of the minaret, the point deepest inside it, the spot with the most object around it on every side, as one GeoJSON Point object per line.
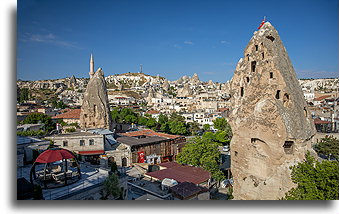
{"type": "Point", "coordinates": [91, 66]}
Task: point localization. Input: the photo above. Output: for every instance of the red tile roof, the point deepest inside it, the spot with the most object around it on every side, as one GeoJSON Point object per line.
{"type": "Point", "coordinates": [321, 98]}
{"type": "Point", "coordinates": [318, 121]}
{"type": "Point", "coordinates": [152, 112]}
{"type": "Point", "coordinates": [72, 114]}
{"type": "Point", "coordinates": [181, 173]}
{"type": "Point", "coordinates": [149, 132]}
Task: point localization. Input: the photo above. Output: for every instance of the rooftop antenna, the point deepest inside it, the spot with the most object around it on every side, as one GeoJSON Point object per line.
{"type": "Point", "coordinates": [141, 68]}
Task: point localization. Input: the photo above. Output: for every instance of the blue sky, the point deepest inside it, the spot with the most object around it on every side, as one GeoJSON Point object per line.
{"type": "Point", "coordinates": [169, 37]}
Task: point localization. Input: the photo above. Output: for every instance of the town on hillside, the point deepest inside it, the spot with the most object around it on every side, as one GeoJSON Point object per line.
{"type": "Point", "coordinates": [135, 136]}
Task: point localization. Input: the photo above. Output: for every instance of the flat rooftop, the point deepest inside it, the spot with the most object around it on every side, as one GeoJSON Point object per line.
{"type": "Point", "coordinates": [133, 141]}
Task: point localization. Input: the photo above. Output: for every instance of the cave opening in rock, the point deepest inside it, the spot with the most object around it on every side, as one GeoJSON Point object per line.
{"type": "Point", "coordinates": [253, 64]}
{"type": "Point", "coordinates": [288, 147]}
{"type": "Point", "coordinates": [277, 95]}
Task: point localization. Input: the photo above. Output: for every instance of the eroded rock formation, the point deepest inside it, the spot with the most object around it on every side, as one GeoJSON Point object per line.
{"type": "Point", "coordinates": [95, 109]}
{"type": "Point", "coordinates": [272, 128]}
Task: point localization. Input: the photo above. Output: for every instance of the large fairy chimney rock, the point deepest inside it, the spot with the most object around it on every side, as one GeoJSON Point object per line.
{"type": "Point", "coordinates": [95, 109]}
{"type": "Point", "coordinates": [185, 91]}
{"type": "Point", "coordinates": [272, 127]}
{"type": "Point", "coordinates": [166, 85]}
{"type": "Point", "coordinates": [195, 79]}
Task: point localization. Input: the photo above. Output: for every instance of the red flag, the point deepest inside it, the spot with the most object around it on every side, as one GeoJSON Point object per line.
{"type": "Point", "coordinates": [262, 23]}
{"type": "Point", "coordinates": [141, 155]}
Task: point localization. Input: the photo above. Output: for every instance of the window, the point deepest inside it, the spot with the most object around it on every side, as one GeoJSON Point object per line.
{"type": "Point", "coordinates": [286, 100]}
{"type": "Point", "coordinates": [256, 47]}
{"type": "Point", "coordinates": [277, 95]}
{"type": "Point", "coordinates": [247, 79]}
{"type": "Point", "coordinates": [270, 38]}
{"type": "Point", "coordinates": [262, 55]}
{"type": "Point", "coordinates": [91, 142]}
{"type": "Point", "coordinates": [253, 64]}
{"type": "Point", "coordinates": [271, 75]}
{"type": "Point", "coordinates": [236, 153]}
{"type": "Point", "coordinates": [305, 111]}
{"type": "Point", "coordinates": [248, 57]}
{"type": "Point", "coordinates": [288, 147]}
{"type": "Point", "coordinates": [242, 91]}
{"type": "Point", "coordinates": [65, 143]}
{"type": "Point", "coordinates": [82, 142]}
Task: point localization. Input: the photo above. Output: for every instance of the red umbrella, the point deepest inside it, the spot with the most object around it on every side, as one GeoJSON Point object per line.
{"type": "Point", "coordinates": [53, 155]}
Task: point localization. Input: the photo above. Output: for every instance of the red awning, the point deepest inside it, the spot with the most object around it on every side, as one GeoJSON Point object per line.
{"type": "Point", "coordinates": [94, 152]}
{"type": "Point", "coordinates": [53, 155]}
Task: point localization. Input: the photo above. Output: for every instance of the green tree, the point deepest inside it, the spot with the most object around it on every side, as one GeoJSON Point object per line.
{"type": "Point", "coordinates": [328, 146]}
{"type": "Point", "coordinates": [222, 125]}
{"type": "Point", "coordinates": [116, 117]}
{"type": "Point", "coordinates": [206, 127]}
{"type": "Point", "coordinates": [221, 136]}
{"type": "Point", "coordinates": [165, 127]}
{"type": "Point", "coordinates": [177, 117]}
{"type": "Point", "coordinates": [151, 122]}
{"type": "Point", "coordinates": [177, 127]}
{"type": "Point", "coordinates": [131, 119]}
{"type": "Point", "coordinates": [35, 118]}
{"type": "Point", "coordinates": [209, 136]}
{"type": "Point", "coordinates": [193, 127]}
{"type": "Point", "coordinates": [112, 186]}
{"type": "Point", "coordinates": [316, 180]}
{"type": "Point", "coordinates": [142, 121]}
{"type": "Point", "coordinates": [203, 153]}
{"type": "Point", "coordinates": [162, 119]}
{"type": "Point", "coordinates": [23, 95]}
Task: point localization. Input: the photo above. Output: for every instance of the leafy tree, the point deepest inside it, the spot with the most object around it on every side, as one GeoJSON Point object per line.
{"type": "Point", "coordinates": [177, 127]}
{"type": "Point", "coordinates": [112, 186]}
{"type": "Point", "coordinates": [116, 117]}
{"type": "Point", "coordinates": [193, 127]}
{"type": "Point", "coordinates": [203, 153]}
{"type": "Point", "coordinates": [206, 127]}
{"type": "Point", "coordinates": [328, 146]}
{"type": "Point", "coordinates": [222, 125]}
{"type": "Point", "coordinates": [23, 95]}
{"type": "Point", "coordinates": [165, 127]}
{"type": "Point", "coordinates": [316, 180]}
{"type": "Point", "coordinates": [126, 112]}
{"type": "Point", "coordinates": [142, 121]}
{"type": "Point", "coordinates": [177, 117]}
{"type": "Point", "coordinates": [35, 118]}
{"type": "Point", "coordinates": [131, 119]}
{"type": "Point", "coordinates": [151, 122]}
{"type": "Point", "coordinates": [162, 119]}
{"type": "Point", "coordinates": [221, 136]}
{"type": "Point", "coordinates": [209, 136]}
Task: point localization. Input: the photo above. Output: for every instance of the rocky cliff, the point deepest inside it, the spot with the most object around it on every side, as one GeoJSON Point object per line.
{"type": "Point", "coordinates": [95, 109]}
{"type": "Point", "coordinates": [272, 127]}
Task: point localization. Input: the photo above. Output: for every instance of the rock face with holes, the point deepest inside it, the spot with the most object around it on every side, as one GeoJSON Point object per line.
{"type": "Point", "coordinates": [95, 109]}
{"type": "Point", "coordinates": [272, 127]}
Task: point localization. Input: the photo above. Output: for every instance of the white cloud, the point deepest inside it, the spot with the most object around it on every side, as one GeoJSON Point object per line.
{"type": "Point", "coordinates": [49, 38]}
{"type": "Point", "coordinates": [224, 42]}
{"type": "Point", "coordinates": [188, 43]}
{"type": "Point", "coordinates": [177, 46]}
